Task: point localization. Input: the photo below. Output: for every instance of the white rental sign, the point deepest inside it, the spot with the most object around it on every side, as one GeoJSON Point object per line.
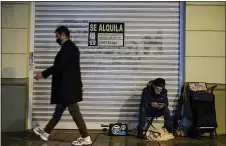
{"type": "Point", "coordinates": [106, 34]}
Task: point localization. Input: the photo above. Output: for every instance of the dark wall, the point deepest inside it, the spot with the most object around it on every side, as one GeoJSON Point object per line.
{"type": "Point", "coordinates": [13, 104]}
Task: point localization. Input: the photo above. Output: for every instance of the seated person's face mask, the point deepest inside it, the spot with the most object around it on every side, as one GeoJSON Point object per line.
{"type": "Point", "coordinates": [157, 89]}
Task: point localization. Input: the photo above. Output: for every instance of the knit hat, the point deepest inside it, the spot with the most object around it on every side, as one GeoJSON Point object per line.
{"type": "Point", "coordinates": [159, 82]}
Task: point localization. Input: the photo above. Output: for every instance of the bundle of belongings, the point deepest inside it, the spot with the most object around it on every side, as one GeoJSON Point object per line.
{"type": "Point", "coordinates": [196, 112]}
{"type": "Point", "coordinates": [157, 133]}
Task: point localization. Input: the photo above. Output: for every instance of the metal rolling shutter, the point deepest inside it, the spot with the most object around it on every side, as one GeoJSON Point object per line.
{"type": "Point", "coordinates": [113, 77]}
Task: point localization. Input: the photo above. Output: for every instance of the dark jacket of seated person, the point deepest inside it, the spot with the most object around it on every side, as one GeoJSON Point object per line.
{"type": "Point", "coordinates": [154, 103]}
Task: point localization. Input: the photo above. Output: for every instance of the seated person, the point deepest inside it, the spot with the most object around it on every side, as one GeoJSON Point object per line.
{"type": "Point", "coordinates": [154, 103]}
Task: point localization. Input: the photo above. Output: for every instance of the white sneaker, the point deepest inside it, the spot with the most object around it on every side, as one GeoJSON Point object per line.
{"type": "Point", "coordinates": [39, 131]}
{"type": "Point", "coordinates": [83, 141]}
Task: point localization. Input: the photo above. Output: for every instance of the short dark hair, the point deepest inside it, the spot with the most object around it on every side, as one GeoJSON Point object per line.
{"type": "Point", "coordinates": [63, 29]}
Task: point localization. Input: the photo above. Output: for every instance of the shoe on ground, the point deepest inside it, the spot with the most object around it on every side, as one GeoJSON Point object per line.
{"type": "Point", "coordinates": [82, 141]}
{"type": "Point", "coordinates": [39, 131]}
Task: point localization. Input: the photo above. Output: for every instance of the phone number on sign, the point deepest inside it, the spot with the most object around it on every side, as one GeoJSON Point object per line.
{"type": "Point", "coordinates": [110, 43]}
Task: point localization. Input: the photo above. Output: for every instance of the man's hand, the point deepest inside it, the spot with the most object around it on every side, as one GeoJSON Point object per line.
{"type": "Point", "coordinates": [154, 104]}
{"type": "Point", "coordinates": [160, 106]}
{"type": "Point", "coordinates": [38, 76]}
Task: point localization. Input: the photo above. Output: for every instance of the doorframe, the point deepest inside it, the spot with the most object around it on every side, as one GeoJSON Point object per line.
{"type": "Point", "coordinates": [182, 19]}
{"type": "Point", "coordinates": [31, 64]}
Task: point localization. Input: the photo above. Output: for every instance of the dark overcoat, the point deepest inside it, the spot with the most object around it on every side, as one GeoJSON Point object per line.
{"type": "Point", "coordinates": [66, 75]}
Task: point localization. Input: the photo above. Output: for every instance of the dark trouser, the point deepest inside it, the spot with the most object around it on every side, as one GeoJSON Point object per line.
{"type": "Point", "coordinates": [153, 112]}
{"type": "Point", "coordinates": [76, 115]}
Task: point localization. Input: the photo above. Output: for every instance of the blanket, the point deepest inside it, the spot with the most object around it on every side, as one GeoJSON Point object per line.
{"type": "Point", "coordinates": [156, 133]}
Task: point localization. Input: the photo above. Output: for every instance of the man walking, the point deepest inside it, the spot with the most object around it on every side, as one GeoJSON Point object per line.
{"type": "Point", "coordinates": [66, 87]}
